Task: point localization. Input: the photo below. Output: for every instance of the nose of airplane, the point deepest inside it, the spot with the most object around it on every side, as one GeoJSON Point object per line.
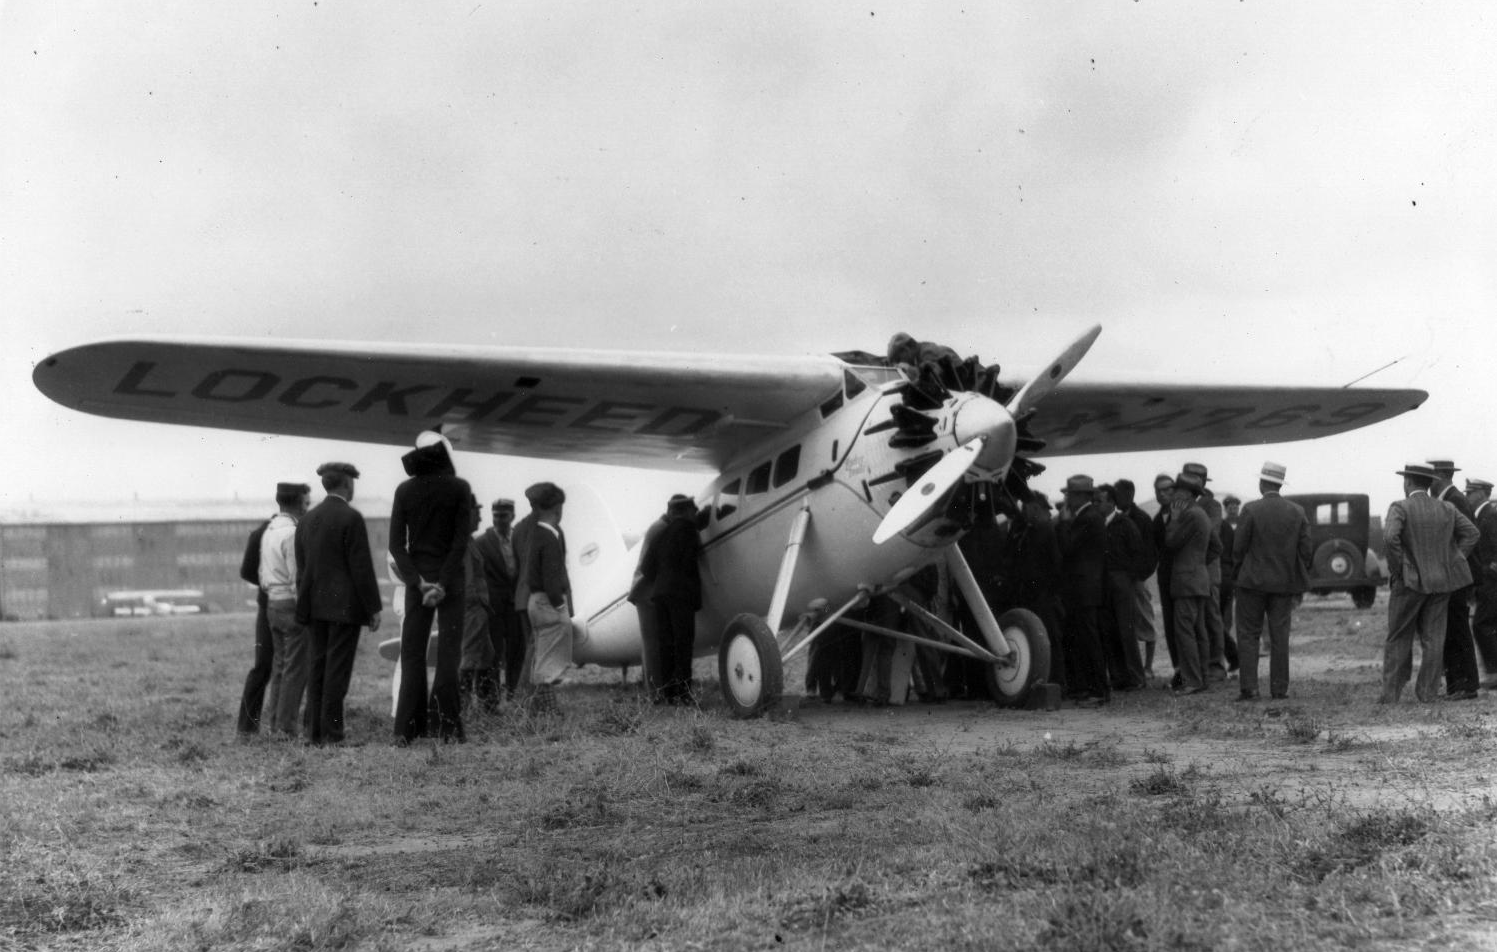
{"type": "Point", "coordinates": [981, 416]}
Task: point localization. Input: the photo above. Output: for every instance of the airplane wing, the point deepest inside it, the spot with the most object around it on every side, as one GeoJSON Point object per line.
{"type": "Point", "coordinates": [1087, 417]}
{"type": "Point", "coordinates": [654, 410]}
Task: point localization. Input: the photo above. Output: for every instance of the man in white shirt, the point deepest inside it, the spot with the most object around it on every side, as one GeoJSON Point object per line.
{"type": "Point", "coordinates": [278, 581]}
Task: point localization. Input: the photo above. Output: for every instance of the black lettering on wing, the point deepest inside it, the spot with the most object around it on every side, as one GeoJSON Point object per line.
{"type": "Point", "coordinates": [1284, 416]}
{"type": "Point", "coordinates": [296, 394]}
{"type": "Point", "coordinates": [130, 383]}
{"type": "Point", "coordinates": [1347, 415]}
{"type": "Point", "coordinates": [459, 399]}
{"type": "Point", "coordinates": [236, 386]}
{"type": "Point", "coordinates": [539, 410]}
{"type": "Point", "coordinates": [391, 395]}
{"type": "Point", "coordinates": [613, 417]}
{"type": "Point", "coordinates": [1218, 415]}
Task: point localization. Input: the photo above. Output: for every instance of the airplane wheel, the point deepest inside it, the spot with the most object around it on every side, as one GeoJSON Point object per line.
{"type": "Point", "coordinates": [1009, 681]}
{"type": "Point", "coordinates": [748, 666]}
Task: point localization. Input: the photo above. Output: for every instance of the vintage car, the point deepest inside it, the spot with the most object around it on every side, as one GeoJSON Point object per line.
{"type": "Point", "coordinates": [131, 603]}
{"type": "Point", "coordinates": [1340, 533]}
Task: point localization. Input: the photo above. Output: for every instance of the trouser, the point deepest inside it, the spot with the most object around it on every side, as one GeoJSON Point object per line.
{"type": "Point", "coordinates": [411, 707]}
{"type": "Point", "coordinates": [1410, 613]}
{"type": "Point", "coordinates": [261, 675]}
{"type": "Point", "coordinates": [676, 632]}
{"type": "Point", "coordinates": [509, 648]}
{"type": "Point", "coordinates": [333, 647]}
{"type": "Point", "coordinates": [291, 642]}
{"type": "Point", "coordinates": [1125, 669]}
{"type": "Point", "coordinates": [1192, 640]}
{"type": "Point", "coordinates": [1460, 654]}
{"type": "Point", "coordinates": [1484, 624]}
{"type": "Point", "coordinates": [1216, 634]}
{"type": "Point", "coordinates": [1086, 664]}
{"type": "Point", "coordinates": [649, 636]}
{"type": "Point", "coordinates": [552, 627]}
{"type": "Point", "coordinates": [1167, 615]}
{"type": "Point", "coordinates": [1253, 608]}
{"type": "Point", "coordinates": [1143, 617]}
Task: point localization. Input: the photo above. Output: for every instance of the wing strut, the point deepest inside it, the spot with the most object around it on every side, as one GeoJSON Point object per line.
{"type": "Point", "coordinates": [787, 567]}
{"type": "Point", "coordinates": [857, 601]}
{"type": "Point", "coordinates": [961, 573]}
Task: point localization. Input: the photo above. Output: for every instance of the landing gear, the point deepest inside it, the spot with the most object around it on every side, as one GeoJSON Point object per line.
{"type": "Point", "coordinates": [749, 666]}
{"type": "Point", "coordinates": [1011, 678]}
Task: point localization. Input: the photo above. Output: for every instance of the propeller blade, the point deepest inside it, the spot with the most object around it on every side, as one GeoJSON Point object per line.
{"type": "Point", "coordinates": [1037, 389]}
{"type": "Point", "coordinates": [918, 500]}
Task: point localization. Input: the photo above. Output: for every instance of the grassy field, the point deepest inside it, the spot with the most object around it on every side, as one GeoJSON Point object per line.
{"type": "Point", "coordinates": [131, 819]}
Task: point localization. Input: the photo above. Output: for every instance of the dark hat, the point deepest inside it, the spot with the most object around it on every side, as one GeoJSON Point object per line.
{"type": "Point", "coordinates": [1163, 479]}
{"type": "Point", "coordinates": [1230, 499]}
{"type": "Point", "coordinates": [1079, 484]}
{"type": "Point", "coordinates": [1418, 470]}
{"type": "Point", "coordinates": [681, 504]}
{"type": "Point", "coordinates": [503, 504]}
{"type": "Point", "coordinates": [1191, 482]}
{"type": "Point", "coordinates": [545, 496]}
{"type": "Point", "coordinates": [1443, 465]}
{"type": "Point", "coordinates": [1198, 470]}
{"type": "Point", "coordinates": [292, 489]}
{"type": "Point", "coordinates": [1478, 485]}
{"type": "Point", "coordinates": [345, 469]}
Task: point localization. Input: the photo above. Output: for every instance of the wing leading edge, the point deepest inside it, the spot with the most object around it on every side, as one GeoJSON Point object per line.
{"type": "Point", "coordinates": [641, 409]}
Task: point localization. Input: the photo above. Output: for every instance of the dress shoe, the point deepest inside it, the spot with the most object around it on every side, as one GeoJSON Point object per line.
{"type": "Point", "coordinates": [1280, 697]}
{"type": "Point", "coordinates": [1091, 700]}
{"type": "Point", "coordinates": [1461, 696]}
{"type": "Point", "coordinates": [1247, 695]}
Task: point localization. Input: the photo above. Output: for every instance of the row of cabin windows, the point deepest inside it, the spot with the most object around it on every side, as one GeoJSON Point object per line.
{"type": "Point", "coordinates": [770, 474]}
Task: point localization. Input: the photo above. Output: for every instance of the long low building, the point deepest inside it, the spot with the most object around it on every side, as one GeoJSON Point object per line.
{"type": "Point", "coordinates": [65, 561]}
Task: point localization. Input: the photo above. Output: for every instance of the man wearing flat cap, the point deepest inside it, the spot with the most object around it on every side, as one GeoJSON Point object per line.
{"type": "Point", "coordinates": [430, 522]}
{"type": "Point", "coordinates": [1187, 537]}
{"type": "Point", "coordinates": [550, 598]}
{"type": "Point", "coordinates": [278, 579]}
{"type": "Point", "coordinates": [336, 595]}
{"type": "Point", "coordinates": [1484, 570]}
{"type": "Point", "coordinates": [1461, 675]}
{"type": "Point", "coordinates": [1427, 542]}
{"type": "Point", "coordinates": [501, 568]}
{"type": "Point", "coordinates": [1082, 534]}
{"type": "Point", "coordinates": [1272, 550]}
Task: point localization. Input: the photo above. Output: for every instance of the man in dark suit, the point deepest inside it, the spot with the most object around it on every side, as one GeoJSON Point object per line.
{"type": "Point", "coordinates": [1461, 676]}
{"type": "Point", "coordinates": [1187, 537]}
{"type": "Point", "coordinates": [1427, 542]}
{"type": "Point", "coordinates": [1164, 491]}
{"type": "Point", "coordinates": [1271, 549]}
{"type": "Point", "coordinates": [336, 595]}
{"type": "Point", "coordinates": [1216, 663]}
{"type": "Point", "coordinates": [1231, 515]}
{"type": "Point", "coordinates": [671, 573]}
{"type": "Point", "coordinates": [501, 567]}
{"type": "Point", "coordinates": [1148, 562]}
{"type": "Point", "coordinates": [1484, 570]}
{"type": "Point", "coordinates": [1125, 670]}
{"type": "Point", "coordinates": [429, 525]}
{"type": "Point", "coordinates": [1082, 533]}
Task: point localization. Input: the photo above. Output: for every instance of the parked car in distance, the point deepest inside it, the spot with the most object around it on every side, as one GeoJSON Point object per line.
{"type": "Point", "coordinates": [139, 603]}
{"type": "Point", "coordinates": [1339, 537]}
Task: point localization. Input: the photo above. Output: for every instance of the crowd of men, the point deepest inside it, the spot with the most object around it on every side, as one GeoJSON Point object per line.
{"type": "Point", "coordinates": [499, 602]}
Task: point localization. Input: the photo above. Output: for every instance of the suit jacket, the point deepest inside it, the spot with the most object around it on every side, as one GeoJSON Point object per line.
{"type": "Point", "coordinates": [1228, 534]}
{"type": "Point", "coordinates": [335, 573]}
{"type": "Point", "coordinates": [1484, 556]}
{"type": "Point", "coordinates": [670, 565]}
{"type": "Point", "coordinates": [1272, 546]}
{"type": "Point", "coordinates": [1427, 541]}
{"type": "Point", "coordinates": [520, 537]}
{"type": "Point", "coordinates": [429, 525]}
{"type": "Point", "coordinates": [1148, 551]}
{"type": "Point", "coordinates": [546, 565]}
{"type": "Point", "coordinates": [1166, 568]}
{"type": "Point", "coordinates": [1083, 555]}
{"type": "Point", "coordinates": [1463, 505]}
{"type": "Point", "coordinates": [249, 566]}
{"type": "Point", "coordinates": [1187, 535]}
{"type": "Point", "coordinates": [1124, 548]}
{"type": "Point", "coordinates": [497, 577]}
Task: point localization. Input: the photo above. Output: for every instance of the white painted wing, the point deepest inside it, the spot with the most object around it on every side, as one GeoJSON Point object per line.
{"type": "Point", "coordinates": [1086, 417]}
{"type": "Point", "coordinates": [642, 409]}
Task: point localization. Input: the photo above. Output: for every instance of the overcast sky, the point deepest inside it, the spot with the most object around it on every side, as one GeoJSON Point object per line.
{"type": "Point", "coordinates": [1256, 192]}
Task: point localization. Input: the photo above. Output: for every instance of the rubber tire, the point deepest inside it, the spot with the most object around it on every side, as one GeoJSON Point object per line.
{"type": "Point", "coordinates": [1009, 684]}
{"type": "Point", "coordinates": [1363, 596]}
{"type": "Point", "coordinates": [1337, 553]}
{"type": "Point", "coordinates": [749, 667]}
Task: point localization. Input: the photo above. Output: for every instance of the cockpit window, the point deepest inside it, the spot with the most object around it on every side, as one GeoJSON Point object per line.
{"type": "Point", "coordinates": [853, 384]}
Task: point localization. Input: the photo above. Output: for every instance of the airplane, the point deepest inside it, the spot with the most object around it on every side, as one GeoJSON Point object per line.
{"type": "Point", "coordinates": [838, 476]}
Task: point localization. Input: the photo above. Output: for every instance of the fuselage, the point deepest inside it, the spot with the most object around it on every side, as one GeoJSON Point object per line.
{"type": "Point", "coordinates": [838, 462]}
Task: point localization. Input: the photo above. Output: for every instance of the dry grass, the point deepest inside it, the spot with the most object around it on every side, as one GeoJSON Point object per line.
{"type": "Point", "coordinates": [130, 819]}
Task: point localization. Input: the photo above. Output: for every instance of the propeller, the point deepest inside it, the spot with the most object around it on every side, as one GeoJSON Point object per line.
{"type": "Point", "coordinates": [990, 453]}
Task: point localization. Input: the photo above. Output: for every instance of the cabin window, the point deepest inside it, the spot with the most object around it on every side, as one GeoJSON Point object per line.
{"type": "Point", "coordinates": [853, 384]}
{"type": "Point", "coordinates": [786, 465]}
{"type": "Point", "coordinates": [758, 480]}
{"type": "Point", "coordinates": [727, 500]}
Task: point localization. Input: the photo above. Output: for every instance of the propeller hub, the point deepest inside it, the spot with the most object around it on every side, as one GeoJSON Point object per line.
{"type": "Point", "coordinates": [978, 416]}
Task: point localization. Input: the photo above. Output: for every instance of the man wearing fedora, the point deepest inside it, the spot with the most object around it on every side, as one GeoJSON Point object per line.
{"type": "Point", "coordinates": [1427, 542]}
{"type": "Point", "coordinates": [670, 571]}
{"type": "Point", "coordinates": [1187, 536]}
{"type": "Point", "coordinates": [1082, 534]}
{"type": "Point", "coordinates": [1484, 570]}
{"type": "Point", "coordinates": [1222, 655]}
{"type": "Point", "coordinates": [1461, 677]}
{"type": "Point", "coordinates": [1271, 547]}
